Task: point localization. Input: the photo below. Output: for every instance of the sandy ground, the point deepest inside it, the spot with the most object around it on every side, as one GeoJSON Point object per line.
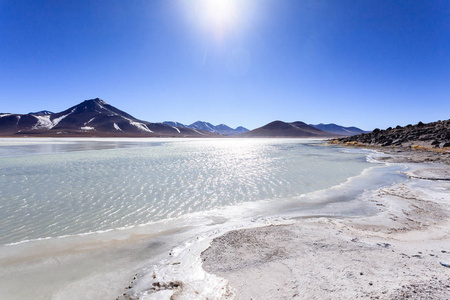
{"type": "Point", "coordinates": [395, 254]}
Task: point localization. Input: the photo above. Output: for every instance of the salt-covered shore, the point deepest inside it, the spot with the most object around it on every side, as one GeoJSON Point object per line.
{"type": "Point", "coordinates": [395, 254]}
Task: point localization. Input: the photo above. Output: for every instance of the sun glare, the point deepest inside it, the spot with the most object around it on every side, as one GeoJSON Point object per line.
{"type": "Point", "coordinates": [221, 12]}
{"type": "Point", "coordinates": [219, 18]}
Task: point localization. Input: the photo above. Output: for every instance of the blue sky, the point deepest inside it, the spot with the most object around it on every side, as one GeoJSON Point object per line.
{"type": "Point", "coordinates": [239, 62]}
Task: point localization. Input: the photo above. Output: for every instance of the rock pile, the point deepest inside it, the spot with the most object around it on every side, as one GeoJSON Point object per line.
{"type": "Point", "coordinates": [435, 135]}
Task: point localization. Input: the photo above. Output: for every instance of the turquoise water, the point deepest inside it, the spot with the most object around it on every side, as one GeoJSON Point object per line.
{"type": "Point", "coordinates": [59, 187]}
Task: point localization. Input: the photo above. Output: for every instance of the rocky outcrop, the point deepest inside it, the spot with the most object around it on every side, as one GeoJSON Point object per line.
{"type": "Point", "coordinates": [431, 135]}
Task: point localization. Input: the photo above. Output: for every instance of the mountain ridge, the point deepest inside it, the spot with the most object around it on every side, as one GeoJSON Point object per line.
{"type": "Point", "coordinates": [93, 117]}
{"type": "Point", "coordinates": [295, 129]}
{"type": "Point", "coordinates": [221, 129]}
{"type": "Point", "coordinates": [338, 129]}
{"type": "Point", "coordinates": [41, 113]}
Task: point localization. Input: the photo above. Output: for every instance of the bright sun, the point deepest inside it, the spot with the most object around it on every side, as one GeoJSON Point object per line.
{"type": "Point", "coordinates": [219, 18]}
{"type": "Point", "coordinates": [220, 12]}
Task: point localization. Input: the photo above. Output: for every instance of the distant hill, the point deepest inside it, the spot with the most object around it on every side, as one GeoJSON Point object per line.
{"type": "Point", "coordinates": [221, 129]}
{"type": "Point", "coordinates": [337, 129]}
{"type": "Point", "coordinates": [282, 129]}
{"type": "Point", "coordinates": [435, 134]}
{"type": "Point", "coordinates": [92, 117]}
{"type": "Point", "coordinates": [41, 113]}
{"type": "Point", "coordinates": [174, 124]}
{"type": "Point", "coordinates": [226, 130]}
{"type": "Point", "coordinates": [203, 126]}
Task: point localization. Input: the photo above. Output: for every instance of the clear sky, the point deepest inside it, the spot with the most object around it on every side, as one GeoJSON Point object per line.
{"type": "Point", "coordinates": [372, 63]}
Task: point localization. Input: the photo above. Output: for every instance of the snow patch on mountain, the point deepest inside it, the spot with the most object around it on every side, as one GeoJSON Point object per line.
{"type": "Point", "coordinates": [117, 127]}
{"type": "Point", "coordinates": [57, 120]}
{"type": "Point", "coordinates": [92, 119]}
{"type": "Point", "coordinates": [198, 131]}
{"type": "Point", "coordinates": [140, 126]}
{"type": "Point", "coordinates": [176, 129]}
{"type": "Point", "coordinates": [174, 124]}
{"type": "Point", "coordinates": [43, 122]}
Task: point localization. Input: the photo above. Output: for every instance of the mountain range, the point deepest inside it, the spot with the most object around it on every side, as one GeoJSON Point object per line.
{"type": "Point", "coordinates": [340, 130]}
{"type": "Point", "coordinates": [95, 117]}
{"type": "Point", "coordinates": [92, 117]}
{"type": "Point", "coordinates": [201, 125]}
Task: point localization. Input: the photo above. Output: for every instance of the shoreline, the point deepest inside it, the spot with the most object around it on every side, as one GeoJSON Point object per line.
{"type": "Point", "coordinates": [394, 254]}
{"type": "Point", "coordinates": [136, 264]}
{"type": "Point", "coordinates": [400, 154]}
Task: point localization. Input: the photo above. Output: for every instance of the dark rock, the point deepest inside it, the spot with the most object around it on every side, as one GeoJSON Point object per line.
{"type": "Point", "coordinates": [425, 137]}
{"type": "Point", "coordinates": [435, 134]}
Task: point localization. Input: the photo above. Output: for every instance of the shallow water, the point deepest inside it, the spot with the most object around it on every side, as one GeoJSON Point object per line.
{"type": "Point", "coordinates": [56, 189]}
{"type": "Point", "coordinates": [86, 212]}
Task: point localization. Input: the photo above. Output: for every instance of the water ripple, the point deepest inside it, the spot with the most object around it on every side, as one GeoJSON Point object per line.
{"type": "Point", "coordinates": [77, 192]}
